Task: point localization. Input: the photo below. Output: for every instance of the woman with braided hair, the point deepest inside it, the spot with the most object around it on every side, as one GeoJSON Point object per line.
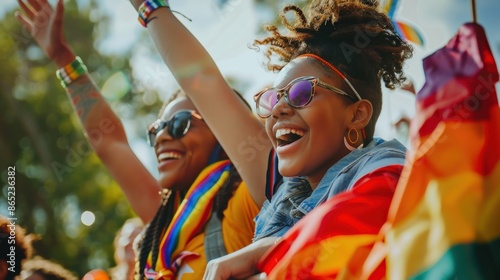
{"type": "Point", "coordinates": [319, 117]}
{"type": "Point", "coordinates": [181, 238]}
{"type": "Point", "coordinates": [204, 209]}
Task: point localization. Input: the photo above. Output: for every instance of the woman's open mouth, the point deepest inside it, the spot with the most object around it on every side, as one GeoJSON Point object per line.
{"type": "Point", "coordinates": [286, 136]}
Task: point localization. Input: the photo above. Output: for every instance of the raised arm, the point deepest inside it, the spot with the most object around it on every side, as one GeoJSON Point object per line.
{"type": "Point", "coordinates": [103, 128]}
{"type": "Point", "coordinates": [240, 133]}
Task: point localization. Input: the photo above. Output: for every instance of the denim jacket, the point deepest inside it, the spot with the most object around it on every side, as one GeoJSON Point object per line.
{"type": "Point", "coordinates": [294, 198]}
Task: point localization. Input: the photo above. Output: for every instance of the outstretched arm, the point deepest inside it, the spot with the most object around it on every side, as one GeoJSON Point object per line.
{"type": "Point", "coordinates": [103, 128]}
{"type": "Point", "coordinates": [240, 133]}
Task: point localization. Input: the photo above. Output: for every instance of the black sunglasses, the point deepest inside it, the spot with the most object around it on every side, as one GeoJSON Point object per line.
{"type": "Point", "coordinates": [177, 126]}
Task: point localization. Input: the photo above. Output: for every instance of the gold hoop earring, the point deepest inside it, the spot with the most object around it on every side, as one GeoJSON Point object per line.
{"type": "Point", "coordinates": [349, 145]}
{"type": "Point", "coordinates": [349, 136]}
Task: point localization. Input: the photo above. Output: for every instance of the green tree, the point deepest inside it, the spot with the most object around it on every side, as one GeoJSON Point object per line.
{"type": "Point", "coordinates": [58, 176]}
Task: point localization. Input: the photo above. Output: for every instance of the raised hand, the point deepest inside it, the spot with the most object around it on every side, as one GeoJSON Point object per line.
{"type": "Point", "coordinates": [45, 25]}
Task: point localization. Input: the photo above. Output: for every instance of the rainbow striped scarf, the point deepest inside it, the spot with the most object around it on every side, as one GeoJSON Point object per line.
{"type": "Point", "coordinates": [189, 219]}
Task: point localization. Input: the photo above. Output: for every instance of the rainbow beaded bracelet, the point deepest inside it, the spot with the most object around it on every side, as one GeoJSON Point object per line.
{"type": "Point", "coordinates": [71, 72]}
{"type": "Point", "coordinates": [147, 7]}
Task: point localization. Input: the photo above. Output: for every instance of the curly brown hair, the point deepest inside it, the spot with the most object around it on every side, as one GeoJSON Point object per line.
{"type": "Point", "coordinates": [48, 270]}
{"type": "Point", "coordinates": [350, 34]}
{"type": "Point", "coordinates": [14, 236]}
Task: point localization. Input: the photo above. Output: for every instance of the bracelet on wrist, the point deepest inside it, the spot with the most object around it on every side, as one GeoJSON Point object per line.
{"type": "Point", "coordinates": [147, 7]}
{"type": "Point", "coordinates": [71, 72]}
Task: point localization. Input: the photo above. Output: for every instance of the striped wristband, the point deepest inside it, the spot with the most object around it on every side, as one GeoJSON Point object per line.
{"type": "Point", "coordinates": [147, 7]}
{"type": "Point", "coordinates": [71, 72]}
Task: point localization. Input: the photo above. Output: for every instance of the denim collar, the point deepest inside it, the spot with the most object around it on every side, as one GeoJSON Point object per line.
{"type": "Point", "coordinates": [320, 194]}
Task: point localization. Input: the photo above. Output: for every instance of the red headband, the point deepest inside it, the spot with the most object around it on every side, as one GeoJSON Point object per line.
{"type": "Point", "coordinates": [329, 65]}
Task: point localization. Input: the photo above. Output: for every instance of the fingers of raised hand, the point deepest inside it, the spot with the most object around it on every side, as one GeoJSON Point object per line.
{"type": "Point", "coordinates": [26, 23]}
{"type": "Point", "coordinates": [35, 4]}
{"type": "Point", "coordinates": [37, 14]}
{"type": "Point", "coordinates": [35, 8]}
{"type": "Point", "coordinates": [27, 10]}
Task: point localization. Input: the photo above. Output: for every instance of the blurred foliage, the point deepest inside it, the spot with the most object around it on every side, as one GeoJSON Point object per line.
{"type": "Point", "coordinates": [58, 176]}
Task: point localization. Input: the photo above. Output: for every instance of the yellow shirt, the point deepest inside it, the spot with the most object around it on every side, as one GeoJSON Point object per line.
{"type": "Point", "coordinates": [237, 230]}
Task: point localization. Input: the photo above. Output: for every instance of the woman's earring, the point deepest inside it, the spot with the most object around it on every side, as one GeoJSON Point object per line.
{"type": "Point", "coordinates": [352, 142]}
{"type": "Point", "coordinates": [165, 195]}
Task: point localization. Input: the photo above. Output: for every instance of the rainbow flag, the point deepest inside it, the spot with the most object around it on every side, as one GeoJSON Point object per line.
{"type": "Point", "coordinates": [405, 30]}
{"type": "Point", "coordinates": [444, 222]}
{"type": "Point", "coordinates": [408, 32]}
{"type": "Point", "coordinates": [389, 7]}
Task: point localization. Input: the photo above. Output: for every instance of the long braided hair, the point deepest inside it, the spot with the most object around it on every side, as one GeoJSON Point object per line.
{"type": "Point", "coordinates": [163, 217]}
{"type": "Point", "coordinates": [350, 34]}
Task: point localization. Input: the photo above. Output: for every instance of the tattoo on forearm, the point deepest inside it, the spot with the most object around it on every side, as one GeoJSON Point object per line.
{"type": "Point", "coordinates": [84, 96]}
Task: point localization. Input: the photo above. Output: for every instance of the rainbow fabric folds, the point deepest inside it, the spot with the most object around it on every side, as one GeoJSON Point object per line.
{"type": "Point", "coordinates": [444, 222]}
{"type": "Point", "coordinates": [320, 244]}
